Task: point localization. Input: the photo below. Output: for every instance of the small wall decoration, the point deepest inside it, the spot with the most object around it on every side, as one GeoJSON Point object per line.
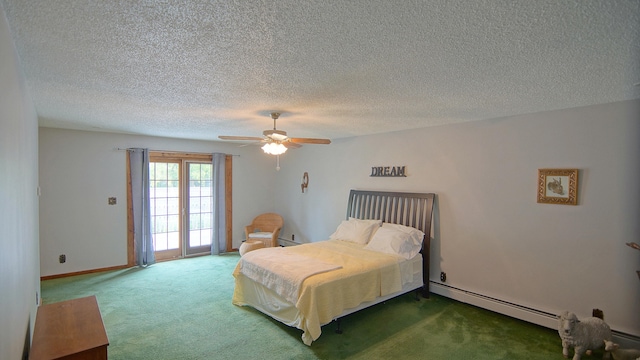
{"type": "Point", "coordinates": [388, 171]}
{"type": "Point", "coordinates": [558, 186]}
{"type": "Point", "coordinates": [637, 247]}
{"type": "Point", "coordinates": [305, 181]}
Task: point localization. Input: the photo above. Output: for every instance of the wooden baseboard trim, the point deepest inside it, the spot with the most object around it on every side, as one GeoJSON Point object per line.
{"type": "Point", "coordinates": [57, 276]}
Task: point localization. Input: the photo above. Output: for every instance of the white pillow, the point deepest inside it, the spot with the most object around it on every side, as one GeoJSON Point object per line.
{"type": "Point", "coordinates": [396, 241]}
{"type": "Point", "coordinates": [368, 228]}
{"type": "Point", "coordinates": [416, 235]}
{"type": "Point", "coordinates": [366, 221]}
{"type": "Point", "coordinates": [356, 230]}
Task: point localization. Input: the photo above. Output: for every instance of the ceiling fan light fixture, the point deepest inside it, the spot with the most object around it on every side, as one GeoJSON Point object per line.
{"type": "Point", "coordinates": [274, 148]}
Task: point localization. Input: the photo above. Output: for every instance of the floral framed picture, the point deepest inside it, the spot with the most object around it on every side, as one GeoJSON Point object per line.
{"type": "Point", "coordinates": [558, 186]}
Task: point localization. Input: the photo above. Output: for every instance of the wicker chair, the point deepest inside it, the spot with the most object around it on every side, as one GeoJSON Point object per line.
{"type": "Point", "coordinates": [265, 228]}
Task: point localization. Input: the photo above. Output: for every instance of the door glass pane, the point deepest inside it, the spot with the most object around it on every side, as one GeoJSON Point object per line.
{"type": "Point", "coordinates": [200, 210]}
{"type": "Point", "coordinates": [164, 195]}
{"type": "Point", "coordinates": [160, 241]}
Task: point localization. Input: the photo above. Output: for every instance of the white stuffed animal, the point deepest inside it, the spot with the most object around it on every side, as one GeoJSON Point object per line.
{"type": "Point", "coordinates": [582, 335]}
{"type": "Point", "coordinates": [621, 354]}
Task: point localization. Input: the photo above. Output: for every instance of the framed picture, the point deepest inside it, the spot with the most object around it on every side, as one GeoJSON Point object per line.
{"type": "Point", "coordinates": [558, 186]}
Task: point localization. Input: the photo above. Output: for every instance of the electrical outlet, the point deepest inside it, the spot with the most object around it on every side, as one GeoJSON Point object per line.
{"type": "Point", "coordinates": [62, 259]}
{"type": "Point", "coordinates": [112, 201]}
{"type": "Point", "coordinates": [597, 313]}
{"type": "Point", "coordinates": [293, 237]}
{"type": "Point", "coordinates": [443, 276]}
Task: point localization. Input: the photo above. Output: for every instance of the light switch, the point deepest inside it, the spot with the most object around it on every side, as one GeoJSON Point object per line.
{"type": "Point", "coordinates": [112, 201]}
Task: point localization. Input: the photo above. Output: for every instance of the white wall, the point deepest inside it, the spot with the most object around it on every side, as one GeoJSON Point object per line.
{"type": "Point", "coordinates": [19, 269]}
{"type": "Point", "coordinates": [80, 170]}
{"type": "Point", "coordinates": [490, 235]}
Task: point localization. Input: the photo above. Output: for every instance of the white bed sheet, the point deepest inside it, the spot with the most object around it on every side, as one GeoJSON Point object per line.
{"type": "Point", "coordinates": [268, 301]}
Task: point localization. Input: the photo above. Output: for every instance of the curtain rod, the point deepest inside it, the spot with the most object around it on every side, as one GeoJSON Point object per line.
{"type": "Point", "coordinates": [173, 151]}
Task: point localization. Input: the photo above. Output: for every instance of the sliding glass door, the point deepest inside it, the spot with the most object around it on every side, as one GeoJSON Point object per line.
{"type": "Point", "coordinates": [180, 195]}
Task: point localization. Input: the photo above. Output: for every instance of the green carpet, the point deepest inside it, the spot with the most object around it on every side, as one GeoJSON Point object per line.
{"type": "Point", "coordinates": [182, 310]}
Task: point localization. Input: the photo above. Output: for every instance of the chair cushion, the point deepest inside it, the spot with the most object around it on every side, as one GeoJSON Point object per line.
{"type": "Point", "coordinates": [261, 235]}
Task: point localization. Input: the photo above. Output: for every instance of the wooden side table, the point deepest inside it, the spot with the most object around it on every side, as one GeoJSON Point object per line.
{"type": "Point", "coordinates": [70, 329]}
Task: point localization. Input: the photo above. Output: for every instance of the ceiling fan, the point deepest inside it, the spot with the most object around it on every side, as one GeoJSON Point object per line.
{"type": "Point", "coordinates": [275, 141]}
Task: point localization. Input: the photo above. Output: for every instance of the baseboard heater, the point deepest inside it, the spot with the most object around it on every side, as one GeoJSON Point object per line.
{"type": "Point", "coordinates": [513, 310]}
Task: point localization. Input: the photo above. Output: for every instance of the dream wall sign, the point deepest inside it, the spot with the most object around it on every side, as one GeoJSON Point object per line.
{"type": "Point", "coordinates": [388, 171]}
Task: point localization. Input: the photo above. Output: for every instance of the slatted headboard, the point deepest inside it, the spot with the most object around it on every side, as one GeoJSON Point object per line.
{"type": "Point", "coordinates": [410, 209]}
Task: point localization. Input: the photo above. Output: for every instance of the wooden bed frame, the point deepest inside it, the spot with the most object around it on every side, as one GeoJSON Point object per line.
{"type": "Point", "coordinates": [410, 209]}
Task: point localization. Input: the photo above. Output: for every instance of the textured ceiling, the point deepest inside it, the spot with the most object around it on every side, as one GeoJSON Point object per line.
{"type": "Point", "coordinates": [335, 69]}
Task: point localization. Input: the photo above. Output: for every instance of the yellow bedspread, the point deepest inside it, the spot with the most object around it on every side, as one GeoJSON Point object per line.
{"type": "Point", "coordinates": [282, 271]}
{"type": "Point", "coordinates": [364, 276]}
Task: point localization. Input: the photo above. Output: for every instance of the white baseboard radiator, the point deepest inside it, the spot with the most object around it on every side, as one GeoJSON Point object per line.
{"type": "Point", "coordinates": [524, 313]}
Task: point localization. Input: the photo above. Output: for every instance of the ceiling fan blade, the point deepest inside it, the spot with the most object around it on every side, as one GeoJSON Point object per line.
{"type": "Point", "coordinates": [252, 138]}
{"type": "Point", "coordinates": [290, 145]}
{"type": "Point", "coordinates": [253, 143]}
{"type": "Point", "coordinates": [310, 141]}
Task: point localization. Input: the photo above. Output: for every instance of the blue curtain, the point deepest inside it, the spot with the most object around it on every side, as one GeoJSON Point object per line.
{"type": "Point", "coordinates": [218, 233]}
{"type": "Point", "coordinates": [143, 240]}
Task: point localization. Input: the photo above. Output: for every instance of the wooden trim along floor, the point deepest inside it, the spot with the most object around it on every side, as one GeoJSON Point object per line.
{"type": "Point", "coordinates": [57, 276]}
{"type": "Point", "coordinates": [119, 267]}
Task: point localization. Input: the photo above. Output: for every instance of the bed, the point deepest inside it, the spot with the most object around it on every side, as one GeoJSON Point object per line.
{"type": "Point", "coordinates": [380, 251]}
